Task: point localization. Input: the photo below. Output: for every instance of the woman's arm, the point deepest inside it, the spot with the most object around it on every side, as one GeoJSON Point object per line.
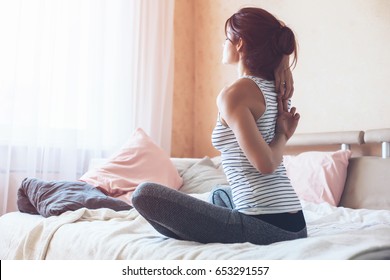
{"type": "Point", "coordinates": [235, 108]}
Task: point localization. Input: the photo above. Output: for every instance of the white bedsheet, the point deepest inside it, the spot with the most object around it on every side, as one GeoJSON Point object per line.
{"type": "Point", "coordinates": [334, 233]}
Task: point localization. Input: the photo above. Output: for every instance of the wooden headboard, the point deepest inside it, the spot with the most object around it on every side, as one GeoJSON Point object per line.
{"type": "Point", "coordinates": [368, 179]}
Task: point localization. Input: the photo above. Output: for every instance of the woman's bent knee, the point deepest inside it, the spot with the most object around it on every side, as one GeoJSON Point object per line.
{"type": "Point", "coordinates": [139, 193]}
{"type": "Point", "coordinates": [144, 190]}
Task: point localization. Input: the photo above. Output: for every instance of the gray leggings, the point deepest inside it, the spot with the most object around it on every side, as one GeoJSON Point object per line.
{"type": "Point", "coordinates": [178, 215]}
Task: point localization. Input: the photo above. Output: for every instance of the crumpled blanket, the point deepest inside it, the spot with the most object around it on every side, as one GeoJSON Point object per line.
{"type": "Point", "coordinates": [52, 198]}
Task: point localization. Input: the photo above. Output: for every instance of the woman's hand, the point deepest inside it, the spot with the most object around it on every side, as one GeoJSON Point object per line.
{"type": "Point", "coordinates": [287, 121]}
{"type": "Point", "coordinates": [284, 82]}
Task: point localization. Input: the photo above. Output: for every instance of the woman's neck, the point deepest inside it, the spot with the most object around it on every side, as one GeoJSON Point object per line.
{"type": "Point", "coordinates": [242, 71]}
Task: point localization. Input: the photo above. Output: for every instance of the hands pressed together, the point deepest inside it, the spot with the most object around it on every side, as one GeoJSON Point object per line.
{"type": "Point", "coordinates": [287, 121]}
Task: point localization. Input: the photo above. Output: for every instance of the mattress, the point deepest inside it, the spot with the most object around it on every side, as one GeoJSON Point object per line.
{"type": "Point", "coordinates": [334, 233]}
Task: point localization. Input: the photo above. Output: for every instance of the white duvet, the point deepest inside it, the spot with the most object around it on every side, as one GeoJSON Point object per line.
{"type": "Point", "coordinates": [334, 233]}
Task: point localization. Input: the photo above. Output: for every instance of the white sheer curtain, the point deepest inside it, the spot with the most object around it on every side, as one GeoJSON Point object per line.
{"type": "Point", "coordinates": [76, 78]}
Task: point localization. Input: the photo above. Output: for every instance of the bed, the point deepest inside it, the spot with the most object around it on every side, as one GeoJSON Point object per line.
{"type": "Point", "coordinates": [354, 225]}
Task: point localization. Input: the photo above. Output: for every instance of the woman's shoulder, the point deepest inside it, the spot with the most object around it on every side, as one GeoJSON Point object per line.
{"type": "Point", "coordinates": [239, 89]}
{"type": "Point", "coordinates": [241, 93]}
{"type": "Point", "coordinates": [234, 94]}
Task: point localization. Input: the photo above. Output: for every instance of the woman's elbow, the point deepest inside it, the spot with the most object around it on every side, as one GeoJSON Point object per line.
{"type": "Point", "coordinates": [266, 168]}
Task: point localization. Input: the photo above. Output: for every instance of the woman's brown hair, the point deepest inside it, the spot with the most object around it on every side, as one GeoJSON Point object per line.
{"type": "Point", "coordinates": [265, 40]}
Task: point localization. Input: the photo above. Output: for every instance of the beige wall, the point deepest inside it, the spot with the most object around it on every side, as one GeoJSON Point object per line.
{"type": "Point", "coordinates": [184, 82]}
{"type": "Point", "coordinates": [341, 80]}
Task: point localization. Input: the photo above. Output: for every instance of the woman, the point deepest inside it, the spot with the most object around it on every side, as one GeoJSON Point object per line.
{"type": "Point", "coordinates": [252, 129]}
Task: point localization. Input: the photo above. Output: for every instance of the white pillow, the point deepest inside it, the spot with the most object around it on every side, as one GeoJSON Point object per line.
{"type": "Point", "coordinates": [202, 176]}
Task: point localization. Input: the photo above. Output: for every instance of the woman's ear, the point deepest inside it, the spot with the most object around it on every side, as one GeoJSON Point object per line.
{"type": "Point", "coordinates": [239, 45]}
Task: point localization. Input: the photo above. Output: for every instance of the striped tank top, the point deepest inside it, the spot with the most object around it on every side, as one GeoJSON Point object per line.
{"type": "Point", "coordinates": [255, 193]}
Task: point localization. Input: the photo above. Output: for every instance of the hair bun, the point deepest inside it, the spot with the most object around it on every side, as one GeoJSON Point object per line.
{"type": "Point", "coordinates": [284, 41]}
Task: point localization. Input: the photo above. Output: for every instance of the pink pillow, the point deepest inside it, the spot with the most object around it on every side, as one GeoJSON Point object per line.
{"type": "Point", "coordinates": [318, 176]}
{"type": "Point", "coordinates": [139, 160]}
